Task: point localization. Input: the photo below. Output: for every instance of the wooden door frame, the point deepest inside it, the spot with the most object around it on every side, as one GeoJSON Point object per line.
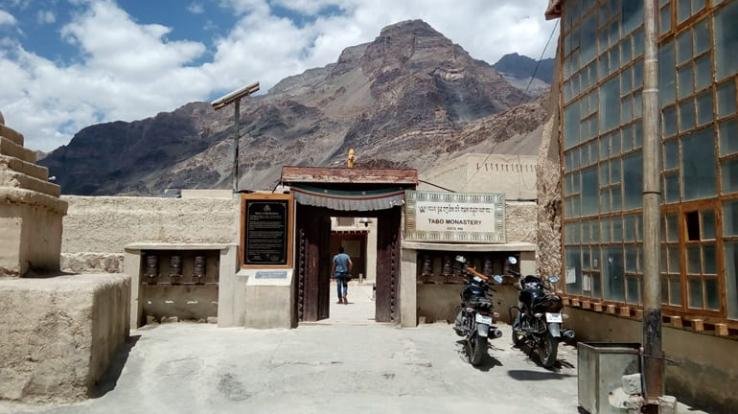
{"type": "Point", "coordinates": [388, 260]}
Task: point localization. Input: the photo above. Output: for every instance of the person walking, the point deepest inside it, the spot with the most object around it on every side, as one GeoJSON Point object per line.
{"type": "Point", "coordinates": [341, 269]}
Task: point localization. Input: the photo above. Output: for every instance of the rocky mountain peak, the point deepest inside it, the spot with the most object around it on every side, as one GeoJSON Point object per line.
{"type": "Point", "coordinates": [407, 98]}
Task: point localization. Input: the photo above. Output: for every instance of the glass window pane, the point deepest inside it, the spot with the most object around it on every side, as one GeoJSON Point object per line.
{"type": "Point", "coordinates": [634, 294]}
{"type": "Point", "coordinates": [672, 228]}
{"type": "Point", "coordinates": [693, 260]}
{"type": "Point", "coordinates": [686, 115]}
{"type": "Point", "coordinates": [631, 257]}
{"type": "Point", "coordinates": [711, 293]}
{"type": "Point", "coordinates": [638, 74]}
{"type": "Point", "coordinates": [615, 170]}
{"type": "Point", "coordinates": [573, 270]}
{"type": "Point", "coordinates": [708, 225]}
{"type": "Point", "coordinates": [698, 165]}
{"type": "Point", "coordinates": [671, 154]}
{"type": "Point", "coordinates": [675, 291]}
{"type": "Point", "coordinates": [665, 23]}
{"type": "Point", "coordinates": [616, 198]}
{"type": "Point", "coordinates": [726, 40]}
{"type": "Point", "coordinates": [638, 42]}
{"type": "Point", "coordinates": [674, 266]}
{"type": "Point", "coordinates": [630, 228]}
{"type": "Point", "coordinates": [730, 218]}
{"type": "Point", "coordinates": [703, 72]}
{"type": "Point", "coordinates": [684, 9]}
{"type": "Point", "coordinates": [726, 99]}
{"type": "Point", "coordinates": [588, 35]}
{"type": "Point", "coordinates": [684, 46]}
{"type": "Point", "coordinates": [632, 15]}
{"type": "Point", "coordinates": [695, 293]}
{"type": "Point", "coordinates": [684, 75]}
{"type": "Point", "coordinates": [590, 189]}
{"type": "Point", "coordinates": [605, 230]}
{"type": "Point", "coordinates": [701, 37]}
{"type": "Point", "coordinates": [704, 108]}
{"type": "Point", "coordinates": [667, 74]}
{"type": "Point", "coordinates": [617, 230]}
{"type": "Point", "coordinates": [633, 180]}
{"type": "Point", "coordinates": [729, 175]}
{"type": "Point", "coordinates": [669, 121]}
{"type": "Point", "coordinates": [728, 131]}
{"type": "Point", "coordinates": [671, 188]}
{"type": "Point", "coordinates": [731, 278]}
{"type": "Point", "coordinates": [613, 274]}
{"type": "Point", "coordinates": [709, 260]}
{"type": "Point", "coordinates": [609, 114]}
{"type": "Point", "coordinates": [571, 125]}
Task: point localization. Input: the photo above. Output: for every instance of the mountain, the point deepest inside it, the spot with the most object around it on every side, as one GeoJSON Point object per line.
{"type": "Point", "coordinates": [521, 66]}
{"type": "Point", "coordinates": [409, 98]}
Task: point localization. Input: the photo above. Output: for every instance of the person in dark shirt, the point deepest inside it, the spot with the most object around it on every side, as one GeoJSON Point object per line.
{"type": "Point", "coordinates": [341, 269]}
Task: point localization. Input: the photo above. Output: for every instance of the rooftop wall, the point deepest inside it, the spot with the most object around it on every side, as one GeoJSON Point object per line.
{"type": "Point", "coordinates": [97, 229]}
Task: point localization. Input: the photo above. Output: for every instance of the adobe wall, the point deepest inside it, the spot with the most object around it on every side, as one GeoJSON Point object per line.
{"type": "Point", "coordinates": [59, 334]}
{"type": "Point", "coordinates": [96, 229]}
{"type": "Point", "coordinates": [701, 369]}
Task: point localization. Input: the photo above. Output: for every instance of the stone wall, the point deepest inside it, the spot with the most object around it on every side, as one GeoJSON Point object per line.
{"type": "Point", "coordinates": [549, 191]}
{"type": "Point", "coordinates": [702, 369]}
{"type": "Point", "coordinates": [97, 229]}
{"type": "Point", "coordinates": [520, 221]}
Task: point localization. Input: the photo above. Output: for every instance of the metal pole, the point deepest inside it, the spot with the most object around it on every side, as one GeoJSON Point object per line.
{"type": "Point", "coordinates": [237, 116]}
{"type": "Point", "coordinates": [653, 360]}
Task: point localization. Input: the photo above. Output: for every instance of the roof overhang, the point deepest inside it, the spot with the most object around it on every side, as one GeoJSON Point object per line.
{"type": "Point", "coordinates": [323, 175]}
{"type": "Point", "coordinates": [553, 11]}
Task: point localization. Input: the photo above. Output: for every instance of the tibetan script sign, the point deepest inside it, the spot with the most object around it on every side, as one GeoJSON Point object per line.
{"type": "Point", "coordinates": [266, 235]}
{"type": "Point", "coordinates": [454, 217]}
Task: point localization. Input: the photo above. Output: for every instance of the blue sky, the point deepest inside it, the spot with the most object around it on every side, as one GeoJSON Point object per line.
{"type": "Point", "coordinates": [67, 64]}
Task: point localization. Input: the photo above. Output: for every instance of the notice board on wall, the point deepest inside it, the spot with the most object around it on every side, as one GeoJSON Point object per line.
{"type": "Point", "coordinates": [455, 217]}
{"type": "Point", "coordinates": [266, 230]}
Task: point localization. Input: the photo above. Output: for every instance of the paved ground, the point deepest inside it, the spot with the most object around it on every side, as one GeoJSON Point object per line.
{"type": "Point", "coordinates": [350, 365]}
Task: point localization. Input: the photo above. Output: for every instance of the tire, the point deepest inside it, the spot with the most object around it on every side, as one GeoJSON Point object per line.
{"type": "Point", "coordinates": [518, 336]}
{"type": "Point", "coordinates": [548, 350]}
{"type": "Point", "coordinates": [478, 350]}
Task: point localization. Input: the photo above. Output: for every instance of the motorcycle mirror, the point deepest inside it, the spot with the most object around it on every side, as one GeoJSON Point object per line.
{"type": "Point", "coordinates": [553, 279]}
{"type": "Point", "coordinates": [512, 260]}
{"type": "Point", "coordinates": [497, 279]}
{"type": "Point", "coordinates": [461, 259]}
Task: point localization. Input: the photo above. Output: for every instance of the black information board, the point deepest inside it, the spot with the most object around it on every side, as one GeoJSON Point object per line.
{"type": "Point", "coordinates": [266, 232]}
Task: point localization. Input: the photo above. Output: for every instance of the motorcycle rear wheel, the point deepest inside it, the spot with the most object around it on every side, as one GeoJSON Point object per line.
{"type": "Point", "coordinates": [478, 351]}
{"type": "Point", "coordinates": [548, 350]}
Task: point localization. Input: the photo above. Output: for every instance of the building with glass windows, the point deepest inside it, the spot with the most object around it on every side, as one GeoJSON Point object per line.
{"type": "Point", "coordinates": [598, 134]}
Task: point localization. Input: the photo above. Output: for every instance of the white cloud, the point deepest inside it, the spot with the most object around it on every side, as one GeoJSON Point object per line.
{"type": "Point", "coordinates": [7, 19]}
{"type": "Point", "coordinates": [130, 70]}
{"type": "Point", "coordinates": [45, 17]}
{"type": "Point", "coordinates": [196, 8]}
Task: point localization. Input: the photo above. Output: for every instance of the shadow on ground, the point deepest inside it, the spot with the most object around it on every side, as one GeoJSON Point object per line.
{"type": "Point", "coordinates": [110, 378]}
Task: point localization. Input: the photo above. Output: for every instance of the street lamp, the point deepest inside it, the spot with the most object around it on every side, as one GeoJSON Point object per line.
{"type": "Point", "coordinates": [220, 103]}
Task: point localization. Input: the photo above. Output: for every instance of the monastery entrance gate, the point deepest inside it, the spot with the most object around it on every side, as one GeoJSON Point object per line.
{"type": "Point", "coordinates": [322, 193]}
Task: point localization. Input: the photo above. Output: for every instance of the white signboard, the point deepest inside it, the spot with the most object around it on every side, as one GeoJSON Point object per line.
{"type": "Point", "coordinates": [455, 217]}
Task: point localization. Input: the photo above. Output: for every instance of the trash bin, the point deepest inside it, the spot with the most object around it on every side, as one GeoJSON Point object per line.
{"type": "Point", "coordinates": [601, 365]}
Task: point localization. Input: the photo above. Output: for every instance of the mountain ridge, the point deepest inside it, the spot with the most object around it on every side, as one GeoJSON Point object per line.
{"type": "Point", "coordinates": [408, 98]}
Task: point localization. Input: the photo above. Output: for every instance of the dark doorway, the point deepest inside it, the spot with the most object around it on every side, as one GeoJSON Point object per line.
{"type": "Point", "coordinates": [314, 255]}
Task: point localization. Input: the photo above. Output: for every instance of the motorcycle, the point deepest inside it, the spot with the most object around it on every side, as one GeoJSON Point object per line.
{"type": "Point", "coordinates": [538, 323]}
{"type": "Point", "coordinates": [475, 320]}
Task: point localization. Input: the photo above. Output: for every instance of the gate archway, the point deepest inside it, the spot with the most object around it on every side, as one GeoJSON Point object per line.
{"type": "Point", "coordinates": [322, 193]}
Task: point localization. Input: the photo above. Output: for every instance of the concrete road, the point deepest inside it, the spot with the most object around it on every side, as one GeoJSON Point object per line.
{"type": "Point", "coordinates": [199, 368]}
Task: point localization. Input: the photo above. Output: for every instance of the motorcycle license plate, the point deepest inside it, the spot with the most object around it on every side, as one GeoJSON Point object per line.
{"type": "Point", "coordinates": [484, 319]}
{"type": "Point", "coordinates": [554, 317]}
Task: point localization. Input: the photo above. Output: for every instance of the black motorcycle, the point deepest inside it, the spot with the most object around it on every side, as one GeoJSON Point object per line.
{"type": "Point", "coordinates": [475, 320]}
{"type": "Point", "coordinates": [538, 320]}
